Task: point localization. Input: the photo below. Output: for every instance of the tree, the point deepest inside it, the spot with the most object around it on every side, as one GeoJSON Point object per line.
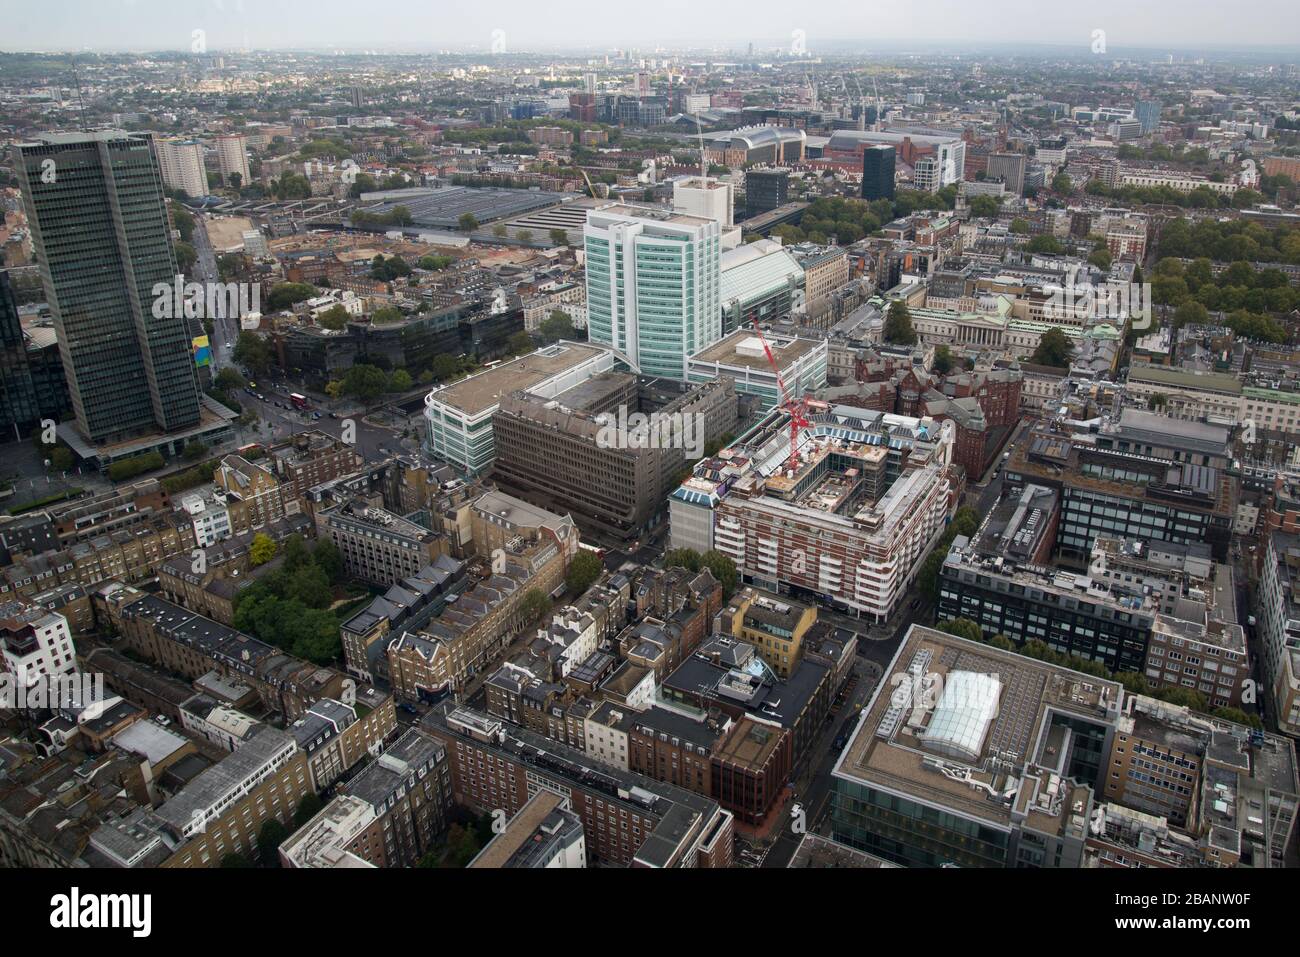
{"type": "Point", "coordinates": [467, 223]}
{"type": "Point", "coordinates": [294, 554]}
{"type": "Point", "coordinates": [520, 342]}
{"type": "Point", "coordinates": [253, 351]}
{"type": "Point", "coordinates": [962, 628]}
{"type": "Point", "coordinates": [183, 220]}
{"type": "Point", "coordinates": [308, 808]}
{"type": "Point", "coordinates": [186, 257]}
{"type": "Point", "coordinates": [722, 568]}
{"type": "Point", "coordinates": [535, 605]}
{"type": "Point", "coordinates": [583, 570]}
{"type": "Point", "coordinates": [556, 326]}
{"type": "Point", "coordinates": [269, 838]}
{"type": "Point", "coordinates": [1045, 244]}
{"type": "Point", "coordinates": [327, 556]}
{"type": "Point", "coordinates": [1019, 226]}
{"type": "Point", "coordinates": [236, 181]}
{"type": "Point", "coordinates": [399, 381]}
{"type": "Point", "coordinates": [687, 558]}
{"type": "Point", "coordinates": [335, 318]}
{"type": "Point", "coordinates": [1054, 349]}
{"type": "Point", "coordinates": [559, 237]}
{"type": "Point", "coordinates": [1061, 183]}
{"type": "Point", "coordinates": [365, 382]}
{"type": "Point", "coordinates": [444, 366]}
{"type": "Point", "coordinates": [309, 585]}
{"type": "Point", "coordinates": [385, 315]}
{"type": "Point", "coordinates": [262, 550]}
{"type": "Point", "coordinates": [1190, 313]}
{"type": "Point", "coordinates": [1237, 716]}
{"type": "Point", "coordinates": [928, 577]}
{"type": "Point", "coordinates": [500, 231]}
{"type": "Point", "coordinates": [942, 360]}
{"type": "Point", "coordinates": [61, 458]}
{"type": "Point", "coordinates": [985, 206]}
{"type": "Point", "coordinates": [386, 270]}
{"type": "Point", "coordinates": [898, 324]}
{"type": "Point", "coordinates": [229, 379]}
{"type": "Point", "coordinates": [286, 294]}
{"type": "Point", "coordinates": [194, 450]}
{"type": "Point", "coordinates": [462, 847]}
{"type": "Point", "coordinates": [1101, 259]}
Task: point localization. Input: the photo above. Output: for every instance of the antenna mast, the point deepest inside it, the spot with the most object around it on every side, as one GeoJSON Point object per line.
{"type": "Point", "coordinates": [81, 102]}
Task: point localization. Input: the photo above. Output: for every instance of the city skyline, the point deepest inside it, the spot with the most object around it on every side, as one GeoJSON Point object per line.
{"type": "Point", "coordinates": [148, 25]}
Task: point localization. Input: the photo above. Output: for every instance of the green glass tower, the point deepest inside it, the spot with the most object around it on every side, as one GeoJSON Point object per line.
{"type": "Point", "coordinates": [100, 231]}
{"type": "Point", "coordinates": [653, 286]}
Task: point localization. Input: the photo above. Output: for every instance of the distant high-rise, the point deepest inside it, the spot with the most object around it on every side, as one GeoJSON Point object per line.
{"type": "Point", "coordinates": [1148, 114]}
{"type": "Point", "coordinates": [878, 172]}
{"type": "Point", "coordinates": [1010, 168]}
{"type": "Point", "coordinates": [232, 157]}
{"type": "Point", "coordinates": [181, 162]}
{"type": "Point", "coordinates": [653, 285]}
{"type": "Point", "coordinates": [99, 226]}
{"type": "Point", "coordinates": [765, 190]}
{"type": "Point", "coordinates": [358, 95]}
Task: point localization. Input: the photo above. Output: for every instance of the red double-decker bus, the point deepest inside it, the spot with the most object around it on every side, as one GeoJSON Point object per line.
{"type": "Point", "coordinates": [299, 401]}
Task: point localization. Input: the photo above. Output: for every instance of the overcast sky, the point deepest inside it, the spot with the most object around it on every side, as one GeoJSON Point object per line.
{"type": "Point", "coordinates": [422, 25]}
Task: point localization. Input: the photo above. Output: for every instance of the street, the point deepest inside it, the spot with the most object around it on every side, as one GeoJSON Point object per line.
{"type": "Point", "coordinates": [280, 421]}
{"type": "Point", "coordinates": [812, 792]}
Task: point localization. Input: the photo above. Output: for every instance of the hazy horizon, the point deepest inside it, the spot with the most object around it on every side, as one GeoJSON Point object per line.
{"type": "Point", "coordinates": [418, 26]}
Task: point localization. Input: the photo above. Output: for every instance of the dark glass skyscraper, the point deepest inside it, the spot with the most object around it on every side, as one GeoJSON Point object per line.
{"type": "Point", "coordinates": [765, 190]}
{"type": "Point", "coordinates": [878, 172]}
{"type": "Point", "coordinates": [31, 378]}
{"type": "Point", "coordinates": [99, 225]}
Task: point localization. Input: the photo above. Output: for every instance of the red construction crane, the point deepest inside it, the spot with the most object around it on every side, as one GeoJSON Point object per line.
{"type": "Point", "coordinates": [796, 408]}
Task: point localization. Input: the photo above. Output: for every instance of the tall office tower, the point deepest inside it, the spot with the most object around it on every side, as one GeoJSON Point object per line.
{"type": "Point", "coordinates": [232, 157]}
{"type": "Point", "coordinates": [99, 226]}
{"type": "Point", "coordinates": [181, 162]}
{"type": "Point", "coordinates": [653, 285]}
{"type": "Point", "coordinates": [1148, 114]}
{"type": "Point", "coordinates": [765, 190]}
{"type": "Point", "coordinates": [878, 172]}
{"type": "Point", "coordinates": [31, 376]}
{"type": "Point", "coordinates": [1010, 168]}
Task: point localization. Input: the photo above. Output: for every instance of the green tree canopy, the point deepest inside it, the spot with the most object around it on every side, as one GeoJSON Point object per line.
{"type": "Point", "coordinates": [898, 324]}
{"type": "Point", "coordinates": [1054, 349]}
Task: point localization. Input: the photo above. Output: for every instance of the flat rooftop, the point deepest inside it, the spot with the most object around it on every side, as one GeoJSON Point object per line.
{"type": "Point", "coordinates": [486, 389]}
{"type": "Point", "coordinates": [743, 350]}
{"type": "Point", "coordinates": [888, 748]}
{"type": "Point", "coordinates": [444, 206]}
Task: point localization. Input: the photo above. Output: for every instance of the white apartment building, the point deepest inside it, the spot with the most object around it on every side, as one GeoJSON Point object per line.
{"type": "Point", "coordinates": [181, 162]}
{"type": "Point", "coordinates": [36, 650]}
{"type": "Point", "coordinates": [209, 516]}
{"type": "Point", "coordinates": [1183, 182]}
{"type": "Point", "coordinates": [232, 157]}
{"type": "Point", "coordinates": [606, 735]}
